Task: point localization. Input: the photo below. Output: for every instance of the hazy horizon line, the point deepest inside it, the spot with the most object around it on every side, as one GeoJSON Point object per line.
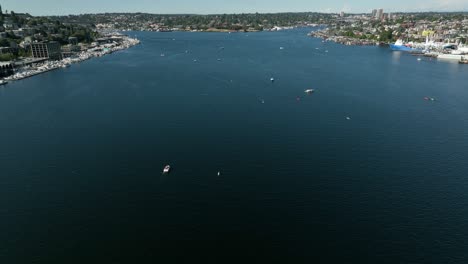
{"type": "Point", "coordinates": [248, 13]}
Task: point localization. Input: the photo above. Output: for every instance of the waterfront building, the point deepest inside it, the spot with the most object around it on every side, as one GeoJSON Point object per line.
{"type": "Point", "coordinates": [9, 24]}
{"type": "Point", "coordinates": [71, 48]}
{"type": "Point", "coordinates": [19, 33]}
{"type": "Point", "coordinates": [50, 50]}
{"type": "Point", "coordinates": [6, 50]}
{"type": "Point", "coordinates": [103, 40]}
{"type": "Point", "coordinates": [73, 40]}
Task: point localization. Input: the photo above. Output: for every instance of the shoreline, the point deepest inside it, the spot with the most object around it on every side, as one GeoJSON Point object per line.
{"type": "Point", "coordinates": [224, 30]}
{"type": "Point", "coordinates": [420, 48]}
{"type": "Point", "coordinates": [97, 51]}
{"type": "Point", "coordinates": [344, 40]}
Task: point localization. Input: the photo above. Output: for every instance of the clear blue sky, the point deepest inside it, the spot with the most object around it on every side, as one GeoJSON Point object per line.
{"type": "Point", "coordinates": [63, 7]}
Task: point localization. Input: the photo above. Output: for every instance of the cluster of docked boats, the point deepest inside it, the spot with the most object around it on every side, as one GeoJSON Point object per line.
{"type": "Point", "coordinates": [31, 71]}
{"type": "Point", "coordinates": [84, 55]}
{"type": "Point", "coordinates": [276, 28]}
{"type": "Point", "coordinates": [446, 51]}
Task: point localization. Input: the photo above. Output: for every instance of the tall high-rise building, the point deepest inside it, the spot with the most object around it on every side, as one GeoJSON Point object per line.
{"type": "Point", "coordinates": [342, 14]}
{"type": "Point", "coordinates": [374, 12]}
{"type": "Point", "coordinates": [379, 14]}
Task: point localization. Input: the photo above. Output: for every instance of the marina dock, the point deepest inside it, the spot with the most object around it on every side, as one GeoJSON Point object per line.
{"type": "Point", "coordinates": [46, 66]}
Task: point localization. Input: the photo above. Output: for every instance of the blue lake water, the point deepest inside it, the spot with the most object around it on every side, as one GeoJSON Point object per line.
{"type": "Point", "coordinates": [82, 150]}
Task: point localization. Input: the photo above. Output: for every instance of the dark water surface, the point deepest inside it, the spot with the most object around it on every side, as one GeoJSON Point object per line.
{"type": "Point", "coordinates": [82, 150]}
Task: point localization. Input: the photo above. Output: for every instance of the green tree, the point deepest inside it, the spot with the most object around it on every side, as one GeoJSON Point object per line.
{"type": "Point", "coordinates": [386, 36]}
{"type": "Point", "coordinates": [32, 22]}
{"type": "Point", "coordinates": [350, 33]}
{"type": "Point", "coordinates": [24, 53]}
{"type": "Point", "coordinates": [6, 57]}
{"type": "Point", "coordinates": [14, 17]}
{"type": "Point", "coordinates": [4, 42]}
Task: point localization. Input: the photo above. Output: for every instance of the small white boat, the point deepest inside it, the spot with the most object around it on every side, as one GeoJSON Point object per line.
{"type": "Point", "coordinates": [272, 79]}
{"type": "Point", "coordinates": [450, 57]}
{"type": "Point", "coordinates": [281, 48]}
{"type": "Point", "coordinates": [419, 59]}
{"type": "Point", "coordinates": [219, 173]}
{"type": "Point", "coordinates": [309, 91]}
{"type": "Point", "coordinates": [166, 169]}
{"type": "Point", "coordinates": [162, 55]}
{"type": "Point", "coordinates": [2, 82]}
{"type": "Point", "coordinates": [348, 118]}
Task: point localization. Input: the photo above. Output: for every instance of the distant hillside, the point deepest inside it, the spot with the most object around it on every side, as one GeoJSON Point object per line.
{"type": "Point", "coordinates": [139, 21]}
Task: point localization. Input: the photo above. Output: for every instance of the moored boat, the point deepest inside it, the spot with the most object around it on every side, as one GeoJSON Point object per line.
{"type": "Point", "coordinates": [400, 46]}
{"type": "Point", "coordinates": [166, 169]}
{"type": "Point", "coordinates": [450, 57]}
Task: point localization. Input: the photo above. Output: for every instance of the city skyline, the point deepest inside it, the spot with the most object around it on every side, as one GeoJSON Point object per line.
{"type": "Point", "coordinates": [54, 7]}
